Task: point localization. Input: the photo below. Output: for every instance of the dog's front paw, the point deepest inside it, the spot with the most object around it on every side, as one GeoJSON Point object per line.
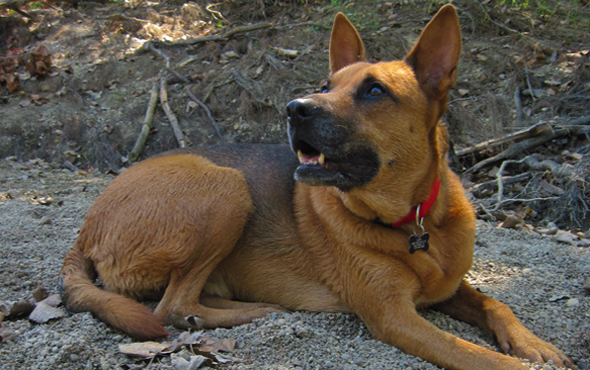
{"type": "Point", "coordinates": [526, 345]}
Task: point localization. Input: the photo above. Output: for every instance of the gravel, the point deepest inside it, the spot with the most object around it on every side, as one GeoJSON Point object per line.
{"type": "Point", "coordinates": [538, 277]}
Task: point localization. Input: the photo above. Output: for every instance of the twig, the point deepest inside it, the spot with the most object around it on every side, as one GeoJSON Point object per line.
{"type": "Point", "coordinates": [207, 111]}
{"type": "Point", "coordinates": [516, 136]}
{"type": "Point", "coordinates": [493, 184]}
{"type": "Point", "coordinates": [167, 59]}
{"type": "Point", "coordinates": [171, 117]}
{"type": "Point", "coordinates": [192, 78]}
{"type": "Point", "coordinates": [528, 200]}
{"type": "Point", "coordinates": [501, 183]}
{"type": "Point", "coordinates": [303, 24]}
{"type": "Point", "coordinates": [215, 13]}
{"type": "Point", "coordinates": [224, 37]}
{"type": "Point", "coordinates": [147, 124]}
{"type": "Point", "coordinates": [528, 82]}
{"type": "Point", "coordinates": [71, 167]}
{"type": "Point", "coordinates": [548, 165]}
{"type": "Point", "coordinates": [518, 148]}
{"type": "Point", "coordinates": [534, 130]}
{"type": "Point", "coordinates": [502, 26]}
{"type": "Point", "coordinates": [210, 91]}
{"type": "Point", "coordinates": [584, 120]}
{"type": "Point", "coordinates": [249, 86]}
{"type": "Point", "coordinates": [518, 105]}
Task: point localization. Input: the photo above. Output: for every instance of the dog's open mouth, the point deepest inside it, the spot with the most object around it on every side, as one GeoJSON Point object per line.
{"type": "Point", "coordinates": [340, 165]}
{"type": "Point", "coordinates": [315, 167]}
{"type": "Point", "coordinates": [309, 156]}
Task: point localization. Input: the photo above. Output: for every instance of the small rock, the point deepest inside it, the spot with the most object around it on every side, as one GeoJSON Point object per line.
{"type": "Point", "coordinates": [586, 284]}
{"type": "Point", "coordinates": [573, 302]}
{"type": "Point", "coordinates": [558, 297]}
{"type": "Point", "coordinates": [74, 357]}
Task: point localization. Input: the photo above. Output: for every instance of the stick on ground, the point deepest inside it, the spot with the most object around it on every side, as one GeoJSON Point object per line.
{"type": "Point", "coordinates": [207, 111]}
{"type": "Point", "coordinates": [147, 124]}
{"type": "Point", "coordinates": [171, 117]}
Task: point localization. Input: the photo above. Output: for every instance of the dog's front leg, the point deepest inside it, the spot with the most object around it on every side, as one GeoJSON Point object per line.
{"type": "Point", "coordinates": [397, 323]}
{"type": "Point", "coordinates": [476, 308]}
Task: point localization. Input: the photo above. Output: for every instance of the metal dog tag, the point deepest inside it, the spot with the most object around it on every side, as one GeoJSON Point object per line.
{"type": "Point", "coordinates": [419, 242]}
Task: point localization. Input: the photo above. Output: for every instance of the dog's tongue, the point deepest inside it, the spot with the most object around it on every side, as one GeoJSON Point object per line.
{"type": "Point", "coordinates": [310, 160]}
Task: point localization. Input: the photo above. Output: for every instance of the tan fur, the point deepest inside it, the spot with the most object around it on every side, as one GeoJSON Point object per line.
{"type": "Point", "coordinates": [230, 238]}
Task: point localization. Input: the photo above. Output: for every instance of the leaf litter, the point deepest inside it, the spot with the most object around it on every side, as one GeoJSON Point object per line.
{"type": "Point", "coordinates": [189, 351]}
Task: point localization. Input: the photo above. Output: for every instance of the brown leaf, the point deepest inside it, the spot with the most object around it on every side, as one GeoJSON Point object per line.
{"type": "Point", "coordinates": [40, 293]}
{"type": "Point", "coordinates": [511, 222]}
{"type": "Point", "coordinates": [216, 345]}
{"type": "Point", "coordinates": [15, 309]}
{"type": "Point", "coordinates": [44, 312]}
{"type": "Point", "coordinates": [144, 349]}
{"type": "Point", "coordinates": [53, 300]}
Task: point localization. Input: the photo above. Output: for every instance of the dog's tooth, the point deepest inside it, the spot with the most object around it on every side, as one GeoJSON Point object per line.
{"type": "Point", "coordinates": [321, 159]}
{"type": "Point", "coordinates": [300, 156]}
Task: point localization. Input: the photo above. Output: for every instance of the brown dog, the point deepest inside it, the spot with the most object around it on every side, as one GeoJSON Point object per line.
{"type": "Point", "coordinates": [376, 223]}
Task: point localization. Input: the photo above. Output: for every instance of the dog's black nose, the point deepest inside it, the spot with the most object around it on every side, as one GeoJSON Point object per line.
{"type": "Point", "coordinates": [300, 109]}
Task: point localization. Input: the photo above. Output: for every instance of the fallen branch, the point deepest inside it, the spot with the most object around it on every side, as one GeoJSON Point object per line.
{"type": "Point", "coordinates": [499, 179]}
{"type": "Point", "coordinates": [183, 79]}
{"type": "Point", "coordinates": [226, 36]}
{"type": "Point", "coordinates": [520, 147]}
{"type": "Point", "coordinates": [147, 124]}
{"type": "Point", "coordinates": [518, 106]}
{"type": "Point", "coordinates": [493, 184]}
{"type": "Point", "coordinates": [171, 117]}
{"type": "Point", "coordinates": [548, 165]}
{"type": "Point", "coordinates": [517, 136]}
{"type": "Point", "coordinates": [235, 31]}
{"type": "Point", "coordinates": [207, 111]}
{"type": "Point", "coordinates": [151, 46]}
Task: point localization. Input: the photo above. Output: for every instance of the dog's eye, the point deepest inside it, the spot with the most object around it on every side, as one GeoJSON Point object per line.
{"type": "Point", "coordinates": [375, 91]}
{"type": "Point", "coordinates": [324, 89]}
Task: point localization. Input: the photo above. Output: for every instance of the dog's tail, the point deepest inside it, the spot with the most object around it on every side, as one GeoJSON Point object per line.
{"type": "Point", "coordinates": [79, 293]}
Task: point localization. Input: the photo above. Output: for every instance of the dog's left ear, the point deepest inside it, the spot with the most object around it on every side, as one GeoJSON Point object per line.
{"type": "Point", "coordinates": [435, 56]}
{"type": "Point", "coordinates": [346, 46]}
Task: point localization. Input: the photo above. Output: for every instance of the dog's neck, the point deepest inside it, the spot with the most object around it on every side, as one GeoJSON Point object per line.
{"type": "Point", "coordinates": [422, 209]}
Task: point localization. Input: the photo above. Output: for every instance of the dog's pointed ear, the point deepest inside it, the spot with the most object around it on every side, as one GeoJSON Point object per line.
{"type": "Point", "coordinates": [346, 46]}
{"type": "Point", "coordinates": [435, 56]}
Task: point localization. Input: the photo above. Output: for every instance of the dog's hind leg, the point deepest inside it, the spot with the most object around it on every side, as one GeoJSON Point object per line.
{"type": "Point", "coordinates": [218, 216]}
{"type": "Point", "coordinates": [213, 301]}
{"type": "Point", "coordinates": [214, 311]}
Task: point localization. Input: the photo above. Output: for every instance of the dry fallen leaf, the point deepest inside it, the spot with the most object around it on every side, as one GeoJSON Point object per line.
{"type": "Point", "coordinates": [216, 345]}
{"type": "Point", "coordinates": [45, 310]}
{"type": "Point", "coordinates": [144, 349]}
{"type": "Point", "coordinates": [40, 293]}
{"type": "Point", "coordinates": [511, 222]}
{"type": "Point", "coordinates": [194, 362]}
{"type": "Point", "coordinates": [15, 309]}
{"type": "Point", "coordinates": [194, 343]}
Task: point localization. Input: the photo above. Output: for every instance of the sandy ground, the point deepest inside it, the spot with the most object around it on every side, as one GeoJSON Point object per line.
{"type": "Point", "coordinates": [538, 277]}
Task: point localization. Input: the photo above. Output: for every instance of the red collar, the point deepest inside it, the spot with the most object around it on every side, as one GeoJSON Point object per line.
{"type": "Point", "coordinates": [424, 206]}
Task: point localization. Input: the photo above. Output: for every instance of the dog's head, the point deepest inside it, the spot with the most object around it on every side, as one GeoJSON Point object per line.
{"type": "Point", "coordinates": [375, 122]}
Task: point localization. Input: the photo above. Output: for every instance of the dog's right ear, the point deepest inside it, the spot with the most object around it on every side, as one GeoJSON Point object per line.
{"type": "Point", "coordinates": [346, 46]}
